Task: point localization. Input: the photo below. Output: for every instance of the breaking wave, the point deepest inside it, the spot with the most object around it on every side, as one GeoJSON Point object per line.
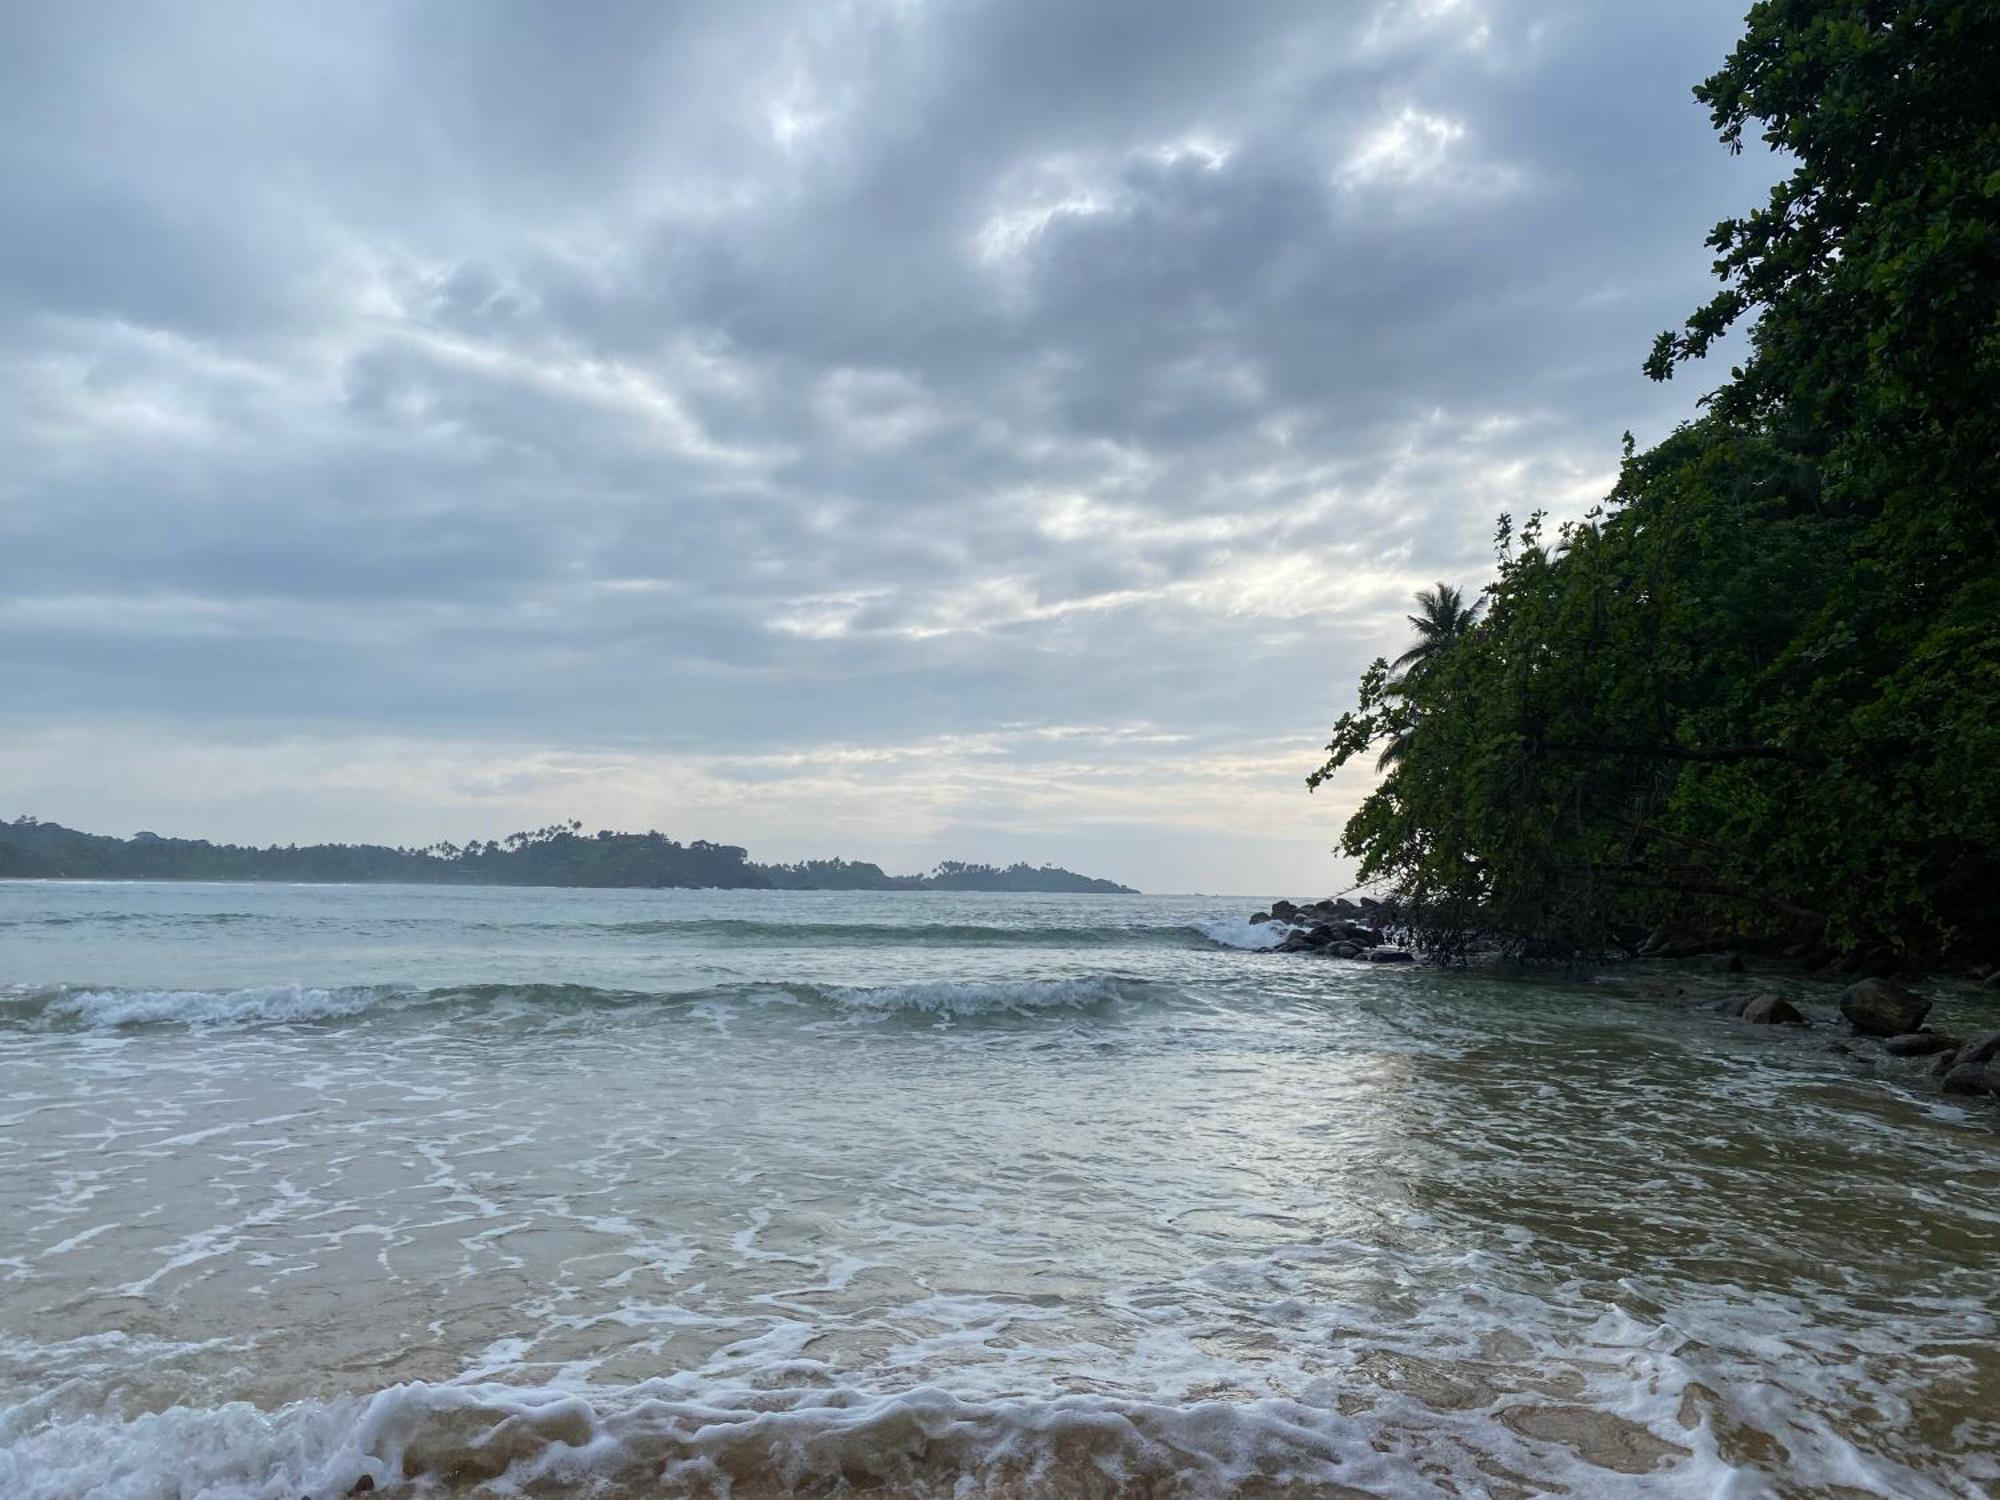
{"type": "Point", "coordinates": [1236, 932]}
{"type": "Point", "coordinates": [657, 1439]}
{"type": "Point", "coordinates": [95, 1009]}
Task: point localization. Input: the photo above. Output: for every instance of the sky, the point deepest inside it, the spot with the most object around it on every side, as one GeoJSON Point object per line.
{"type": "Point", "coordinates": [906, 430]}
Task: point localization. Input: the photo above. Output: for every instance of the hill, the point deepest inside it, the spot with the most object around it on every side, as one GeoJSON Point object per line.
{"type": "Point", "coordinates": [559, 855]}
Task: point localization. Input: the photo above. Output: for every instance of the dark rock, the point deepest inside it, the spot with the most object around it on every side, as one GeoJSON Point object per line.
{"type": "Point", "coordinates": [1283, 911]}
{"type": "Point", "coordinates": [1321, 935]}
{"type": "Point", "coordinates": [1979, 1050]}
{"type": "Point", "coordinates": [1876, 963]}
{"type": "Point", "coordinates": [1918, 1044]}
{"type": "Point", "coordinates": [1346, 907]}
{"type": "Point", "coordinates": [1728, 1005]}
{"type": "Point", "coordinates": [1297, 942]}
{"type": "Point", "coordinates": [1369, 903]}
{"type": "Point", "coordinates": [1345, 950]}
{"type": "Point", "coordinates": [1772, 1010]}
{"type": "Point", "coordinates": [1367, 937]}
{"type": "Point", "coordinates": [1390, 956]}
{"type": "Point", "coordinates": [1727, 963]}
{"type": "Point", "coordinates": [1992, 981]}
{"type": "Point", "coordinates": [1686, 947]}
{"type": "Point", "coordinates": [1972, 1078]}
{"type": "Point", "coordinates": [1876, 1007]}
{"type": "Point", "coordinates": [1260, 916]}
{"type": "Point", "coordinates": [362, 1485]}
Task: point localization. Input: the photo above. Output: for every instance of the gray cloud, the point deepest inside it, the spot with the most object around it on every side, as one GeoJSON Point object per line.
{"type": "Point", "coordinates": [911, 383]}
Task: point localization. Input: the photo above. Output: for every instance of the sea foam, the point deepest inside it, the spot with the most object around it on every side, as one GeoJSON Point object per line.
{"type": "Point", "coordinates": [1236, 932]}
{"type": "Point", "coordinates": [110, 1008]}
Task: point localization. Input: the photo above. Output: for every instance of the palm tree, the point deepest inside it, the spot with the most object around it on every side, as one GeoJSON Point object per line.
{"type": "Point", "coordinates": [1443, 621]}
{"type": "Point", "coordinates": [1445, 618]}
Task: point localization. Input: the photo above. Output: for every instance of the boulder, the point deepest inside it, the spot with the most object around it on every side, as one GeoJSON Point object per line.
{"type": "Point", "coordinates": [1390, 956]}
{"type": "Point", "coordinates": [1877, 1007]}
{"type": "Point", "coordinates": [1369, 903]}
{"type": "Point", "coordinates": [1972, 1078]}
{"type": "Point", "coordinates": [1260, 916]}
{"type": "Point", "coordinates": [1727, 963]}
{"type": "Point", "coordinates": [1979, 1050]}
{"type": "Point", "coordinates": [1367, 937]}
{"type": "Point", "coordinates": [1918, 1044]}
{"type": "Point", "coordinates": [1772, 1010]}
{"type": "Point", "coordinates": [1345, 949]}
{"type": "Point", "coordinates": [1283, 911]}
{"type": "Point", "coordinates": [1348, 908]}
{"type": "Point", "coordinates": [1321, 935]}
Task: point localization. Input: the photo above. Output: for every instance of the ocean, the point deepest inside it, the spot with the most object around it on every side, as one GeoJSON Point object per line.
{"type": "Point", "coordinates": [461, 1191]}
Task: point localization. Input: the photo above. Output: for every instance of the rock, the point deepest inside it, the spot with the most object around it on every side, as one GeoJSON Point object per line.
{"type": "Point", "coordinates": [1727, 963]}
{"type": "Point", "coordinates": [1877, 963]}
{"type": "Point", "coordinates": [1980, 1050]}
{"type": "Point", "coordinates": [1348, 908]}
{"type": "Point", "coordinates": [1729, 1005]}
{"type": "Point", "coordinates": [1367, 937]}
{"type": "Point", "coordinates": [1972, 1078]}
{"type": "Point", "coordinates": [1772, 1010]}
{"type": "Point", "coordinates": [1390, 956]}
{"type": "Point", "coordinates": [1918, 1044]}
{"type": "Point", "coordinates": [1345, 950]}
{"type": "Point", "coordinates": [1283, 911]}
{"type": "Point", "coordinates": [1297, 942]}
{"type": "Point", "coordinates": [1877, 1007]}
{"type": "Point", "coordinates": [1369, 903]}
{"type": "Point", "coordinates": [1321, 935]}
{"type": "Point", "coordinates": [1259, 916]}
{"type": "Point", "coordinates": [1992, 981]}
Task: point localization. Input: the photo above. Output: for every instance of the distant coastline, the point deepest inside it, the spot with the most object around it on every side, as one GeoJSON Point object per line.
{"type": "Point", "coordinates": [561, 855]}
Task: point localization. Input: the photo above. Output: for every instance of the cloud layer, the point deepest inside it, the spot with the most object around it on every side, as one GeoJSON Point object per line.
{"type": "Point", "coordinates": [902, 429]}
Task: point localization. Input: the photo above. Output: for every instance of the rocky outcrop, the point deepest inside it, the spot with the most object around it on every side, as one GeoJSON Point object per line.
{"type": "Point", "coordinates": [1975, 1067]}
{"type": "Point", "coordinates": [1772, 1010]}
{"type": "Point", "coordinates": [1877, 1007]}
{"type": "Point", "coordinates": [1919, 1044]}
{"type": "Point", "coordinates": [1335, 928]}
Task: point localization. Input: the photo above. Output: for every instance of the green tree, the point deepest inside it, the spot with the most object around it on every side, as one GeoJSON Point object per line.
{"type": "Point", "coordinates": [1758, 689]}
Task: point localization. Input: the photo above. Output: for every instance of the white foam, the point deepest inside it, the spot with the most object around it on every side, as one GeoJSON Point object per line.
{"type": "Point", "coordinates": [660, 1437]}
{"type": "Point", "coordinates": [974, 997]}
{"type": "Point", "coordinates": [112, 1008]}
{"type": "Point", "coordinates": [1237, 932]}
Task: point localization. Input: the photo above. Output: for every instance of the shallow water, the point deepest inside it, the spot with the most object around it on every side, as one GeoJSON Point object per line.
{"type": "Point", "coordinates": [651, 1193]}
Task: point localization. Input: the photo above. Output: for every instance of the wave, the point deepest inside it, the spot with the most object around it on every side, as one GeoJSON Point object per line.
{"type": "Point", "coordinates": [1237, 932]}
{"type": "Point", "coordinates": [657, 1438]}
{"type": "Point", "coordinates": [903, 934]}
{"type": "Point", "coordinates": [105, 1009]}
{"type": "Point", "coordinates": [963, 997]}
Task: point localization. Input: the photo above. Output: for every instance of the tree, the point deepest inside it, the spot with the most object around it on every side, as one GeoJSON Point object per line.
{"type": "Point", "coordinates": [1443, 618]}
{"type": "Point", "coordinates": [1758, 689]}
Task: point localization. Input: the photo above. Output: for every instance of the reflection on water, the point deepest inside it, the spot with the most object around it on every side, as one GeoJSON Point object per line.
{"type": "Point", "coordinates": [722, 1192]}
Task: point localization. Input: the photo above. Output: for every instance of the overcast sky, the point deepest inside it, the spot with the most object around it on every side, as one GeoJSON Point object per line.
{"type": "Point", "coordinates": [906, 430]}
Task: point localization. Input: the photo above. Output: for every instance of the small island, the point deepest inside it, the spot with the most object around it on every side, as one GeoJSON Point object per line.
{"type": "Point", "coordinates": [561, 854]}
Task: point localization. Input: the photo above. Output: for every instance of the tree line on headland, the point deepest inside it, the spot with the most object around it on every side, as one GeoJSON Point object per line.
{"type": "Point", "coordinates": [559, 855]}
{"type": "Point", "coordinates": [1756, 691]}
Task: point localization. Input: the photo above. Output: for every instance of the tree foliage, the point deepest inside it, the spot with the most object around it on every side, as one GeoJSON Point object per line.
{"type": "Point", "coordinates": [1758, 688]}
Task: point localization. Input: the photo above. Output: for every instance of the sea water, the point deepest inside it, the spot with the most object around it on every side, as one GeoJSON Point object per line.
{"type": "Point", "coordinates": [494, 1192]}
